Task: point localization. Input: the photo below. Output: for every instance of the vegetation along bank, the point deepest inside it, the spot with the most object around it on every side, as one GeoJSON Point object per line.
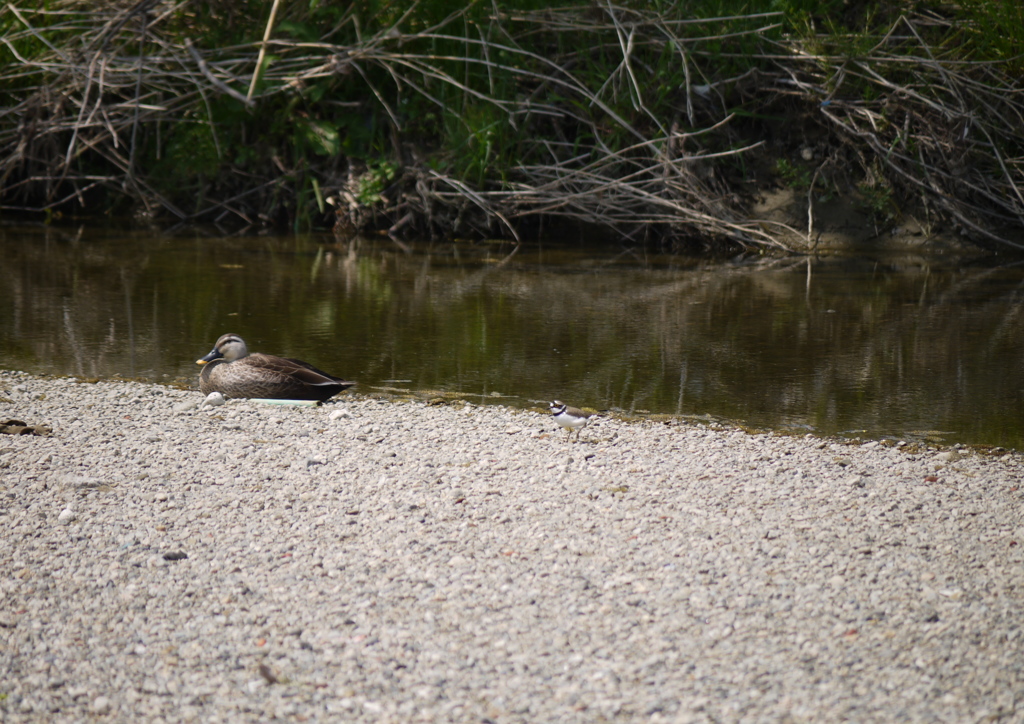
{"type": "Point", "coordinates": [686, 125]}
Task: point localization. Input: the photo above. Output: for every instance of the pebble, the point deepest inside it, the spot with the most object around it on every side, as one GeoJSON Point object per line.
{"type": "Point", "coordinates": [449, 563]}
{"type": "Point", "coordinates": [214, 399]}
{"type": "Point", "coordinates": [186, 405]}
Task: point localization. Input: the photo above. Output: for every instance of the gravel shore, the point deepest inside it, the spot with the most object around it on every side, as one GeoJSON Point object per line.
{"type": "Point", "coordinates": [381, 560]}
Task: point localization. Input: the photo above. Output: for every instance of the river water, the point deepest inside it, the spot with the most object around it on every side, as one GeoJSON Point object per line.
{"type": "Point", "coordinates": [904, 345]}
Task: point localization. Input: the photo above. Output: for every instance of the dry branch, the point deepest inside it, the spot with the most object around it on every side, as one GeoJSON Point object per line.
{"type": "Point", "coordinates": [947, 132]}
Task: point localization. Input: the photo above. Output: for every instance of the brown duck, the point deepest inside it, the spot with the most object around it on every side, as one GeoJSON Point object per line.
{"type": "Point", "coordinates": [232, 371]}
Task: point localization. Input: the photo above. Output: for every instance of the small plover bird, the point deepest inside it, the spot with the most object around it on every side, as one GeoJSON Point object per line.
{"type": "Point", "coordinates": [571, 418]}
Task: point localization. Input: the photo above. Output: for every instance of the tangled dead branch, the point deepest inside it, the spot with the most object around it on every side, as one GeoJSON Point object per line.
{"type": "Point", "coordinates": [944, 132]}
{"type": "Point", "coordinates": [94, 118]}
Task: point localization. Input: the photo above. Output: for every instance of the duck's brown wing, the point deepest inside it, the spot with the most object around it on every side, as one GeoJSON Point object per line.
{"type": "Point", "coordinates": [299, 364]}
{"type": "Point", "coordinates": [286, 378]}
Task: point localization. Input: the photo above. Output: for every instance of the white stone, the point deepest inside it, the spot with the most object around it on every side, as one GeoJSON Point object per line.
{"type": "Point", "coordinates": [214, 399]}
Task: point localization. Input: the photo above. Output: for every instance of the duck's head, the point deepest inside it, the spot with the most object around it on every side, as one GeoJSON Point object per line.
{"type": "Point", "coordinates": [228, 348]}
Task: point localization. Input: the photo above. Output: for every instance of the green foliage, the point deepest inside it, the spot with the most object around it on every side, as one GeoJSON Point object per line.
{"type": "Point", "coordinates": [877, 199]}
{"type": "Point", "coordinates": [216, 23]}
{"type": "Point", "coordinates": [373, 182]}
{"type": "Point", "coordinates": [995, 30]}
{"type": "Point", "coordinates": [476, 138]}
{"type": "Point", "coordinates": [792, 175]}
{"type": "Point", "coordinates": [190, 151]}
{"type": "Point", "coordinates": [303, 32]}
{"type": "Point", "coordinates": [31, 41]}
{"type": "Point", "coordinates": [318, 137]}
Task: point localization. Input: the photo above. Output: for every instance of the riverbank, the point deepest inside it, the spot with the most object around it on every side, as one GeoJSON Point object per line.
{"type": "Point", "coordinates": [455, 121]}
{"type": "Point", "coordinates": [394, 561]}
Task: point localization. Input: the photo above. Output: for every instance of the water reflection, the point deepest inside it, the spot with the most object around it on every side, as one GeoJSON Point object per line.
{"type": "Point", "coordinates": [902, 346]}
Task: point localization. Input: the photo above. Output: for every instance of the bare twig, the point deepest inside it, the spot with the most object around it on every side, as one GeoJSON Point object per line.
{"type": "Point", "coordinates": [263, 52]}
{"type": "Point", "coordinates": [217, 83]}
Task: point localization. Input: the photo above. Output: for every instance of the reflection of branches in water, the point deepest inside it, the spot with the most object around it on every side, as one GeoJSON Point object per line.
{"type": "Point", "coordinates": [744, 342]}
{"type": "Point", "coordinates": [130, 319]}
{"type": "Point", "coordinates": [73, 345]}
{"type": "Point", "coordinates": [76, 316]}
{"type": "Point", "coordinates": [935, 307]}
{"type": "Point", "coordinates": [682, 387]}
{"type": "Point", "coordinates": [883, 366]}
{"type": "Point", "coordinates": [710, 341]}
{"type": "Point", "coordinates": [1009, 325]}
{"type": "Point", "coordinates": [474, 281]}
